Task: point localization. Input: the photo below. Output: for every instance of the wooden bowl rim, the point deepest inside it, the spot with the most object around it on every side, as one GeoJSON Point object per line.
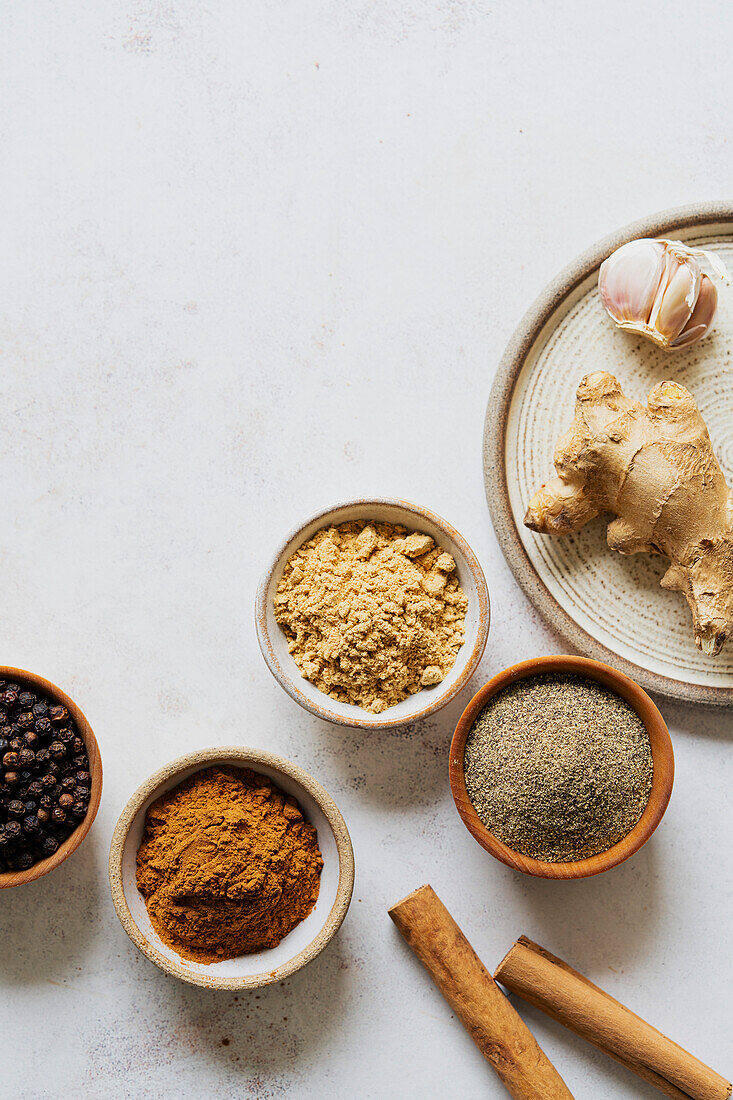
{"type": "Point", "coordinates": [662, 758]}
{"type": "Point", "coordinates": [10, 879]}
{"type": "Point", "coordinates": [244, 757]}
{"type": "Point", "coordinates": [288, 680]}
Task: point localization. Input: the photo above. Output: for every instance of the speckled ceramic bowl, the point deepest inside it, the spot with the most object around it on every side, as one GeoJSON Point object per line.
{"type": "Point", "coordinates": [273, 642]}
{"type": "Point", "coordinates": [305, 941]}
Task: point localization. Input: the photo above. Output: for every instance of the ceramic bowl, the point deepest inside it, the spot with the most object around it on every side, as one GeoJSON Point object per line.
{"type": "Point", "coordinates": [273, 642]}
{"type": "Point", "coordinates": [296, 949]}
{"type": "Point", "coordinates": [31, 682]}
{"type": "Point", "coordinates": [662, 757]}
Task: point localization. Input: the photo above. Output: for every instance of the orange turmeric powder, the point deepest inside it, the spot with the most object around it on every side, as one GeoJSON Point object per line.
{"type": "Point", "coordinates": [227, 865]}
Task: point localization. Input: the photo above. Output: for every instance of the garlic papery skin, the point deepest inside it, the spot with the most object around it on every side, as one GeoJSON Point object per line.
{"type": "Point", "coordinates": [658, 289]}
{"type": "Point", "coordinates": [702, 315]}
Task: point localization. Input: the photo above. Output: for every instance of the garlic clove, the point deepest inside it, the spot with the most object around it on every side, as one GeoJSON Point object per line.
{"type": "Point", "coordinates": [674, 305]}
{"type": "Point", "coordinates": [629, 281]}
{"type": "Point", "coordinates": [662, 289]}
{"type": "Point", "coordinates": [702, 315]}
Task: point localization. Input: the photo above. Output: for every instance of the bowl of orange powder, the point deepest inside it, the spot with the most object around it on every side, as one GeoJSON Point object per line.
{"type": "Point", "coordinates": [231, 868]}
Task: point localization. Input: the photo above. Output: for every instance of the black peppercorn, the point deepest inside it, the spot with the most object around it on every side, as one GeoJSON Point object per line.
{"type": "Point", "coordinates": [44, 777]}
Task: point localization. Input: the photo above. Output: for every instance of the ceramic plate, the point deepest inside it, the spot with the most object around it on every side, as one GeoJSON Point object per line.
{"type": "Point", "coordinates": [608, 606]}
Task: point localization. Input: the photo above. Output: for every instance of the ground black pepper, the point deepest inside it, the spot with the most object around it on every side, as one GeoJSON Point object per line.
{"type": "Point", "coordinates": [44, 777]}
{"type": "Point", "coordinates": [558, 767]}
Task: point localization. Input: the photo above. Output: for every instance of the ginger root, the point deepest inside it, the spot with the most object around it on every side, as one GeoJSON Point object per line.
{"type": "Point", "coordinates": [654, 467]}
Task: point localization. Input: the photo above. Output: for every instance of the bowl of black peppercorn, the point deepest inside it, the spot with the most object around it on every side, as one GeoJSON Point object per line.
{"type": "Point", "coordinates": [50, 777]}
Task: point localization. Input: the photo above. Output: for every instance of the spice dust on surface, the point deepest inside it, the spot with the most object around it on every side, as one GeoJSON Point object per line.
{"type": "Point", "coordinates": [558, 767]}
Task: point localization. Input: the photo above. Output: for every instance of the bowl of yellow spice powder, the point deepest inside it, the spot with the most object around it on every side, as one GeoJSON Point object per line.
{"type": "Point", "coordinates": [231, 868]}
{"type": "Point", "coordinates": [373, 613]}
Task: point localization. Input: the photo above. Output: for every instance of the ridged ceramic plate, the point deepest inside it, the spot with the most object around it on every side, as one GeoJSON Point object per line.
{"type": "Point", "coordinates": [610, 607]}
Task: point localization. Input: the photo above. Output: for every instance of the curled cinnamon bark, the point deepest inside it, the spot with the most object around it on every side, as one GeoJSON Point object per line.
{"type": "Point", "coordinates": [501, 1036]}
{"type": "Point", "coordinates": [565, 995]}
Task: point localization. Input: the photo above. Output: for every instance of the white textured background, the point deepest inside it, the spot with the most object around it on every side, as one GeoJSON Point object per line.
{"type": "Point", "coordinates": [257, 257]}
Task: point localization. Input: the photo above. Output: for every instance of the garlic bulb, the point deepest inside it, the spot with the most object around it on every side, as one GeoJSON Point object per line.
{"type": "Point", "coordinates": [657, 288]}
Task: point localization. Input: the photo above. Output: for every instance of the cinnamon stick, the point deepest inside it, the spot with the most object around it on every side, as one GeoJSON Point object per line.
{"type": "Point", "coordinates": [550, 984]}
{"type": "Point", "coordinates": [501, 1036]}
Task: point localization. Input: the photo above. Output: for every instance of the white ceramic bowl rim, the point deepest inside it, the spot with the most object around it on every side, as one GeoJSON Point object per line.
{"type": "Point", "coordinates": [424, 703]}
{"type": "Point", "coordinates": [243, 757]}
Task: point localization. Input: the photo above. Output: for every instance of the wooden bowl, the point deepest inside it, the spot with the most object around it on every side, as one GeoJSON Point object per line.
{"type": "Point", "coordinates": [32, 682]}
{"type": "Point", "coordinates": [273, 641]}
{"type": "Point", "coordinates": [297, 948]}
{"type": "Point", "coordinates": [662, 758]}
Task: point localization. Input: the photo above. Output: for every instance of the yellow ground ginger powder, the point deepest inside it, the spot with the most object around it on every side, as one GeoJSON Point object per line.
{"type": "Point", "coordinates": [372, 614]}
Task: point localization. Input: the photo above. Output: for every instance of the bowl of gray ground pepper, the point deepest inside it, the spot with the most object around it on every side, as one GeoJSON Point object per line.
{"type": "Point", "coordinates": [561, 767]}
